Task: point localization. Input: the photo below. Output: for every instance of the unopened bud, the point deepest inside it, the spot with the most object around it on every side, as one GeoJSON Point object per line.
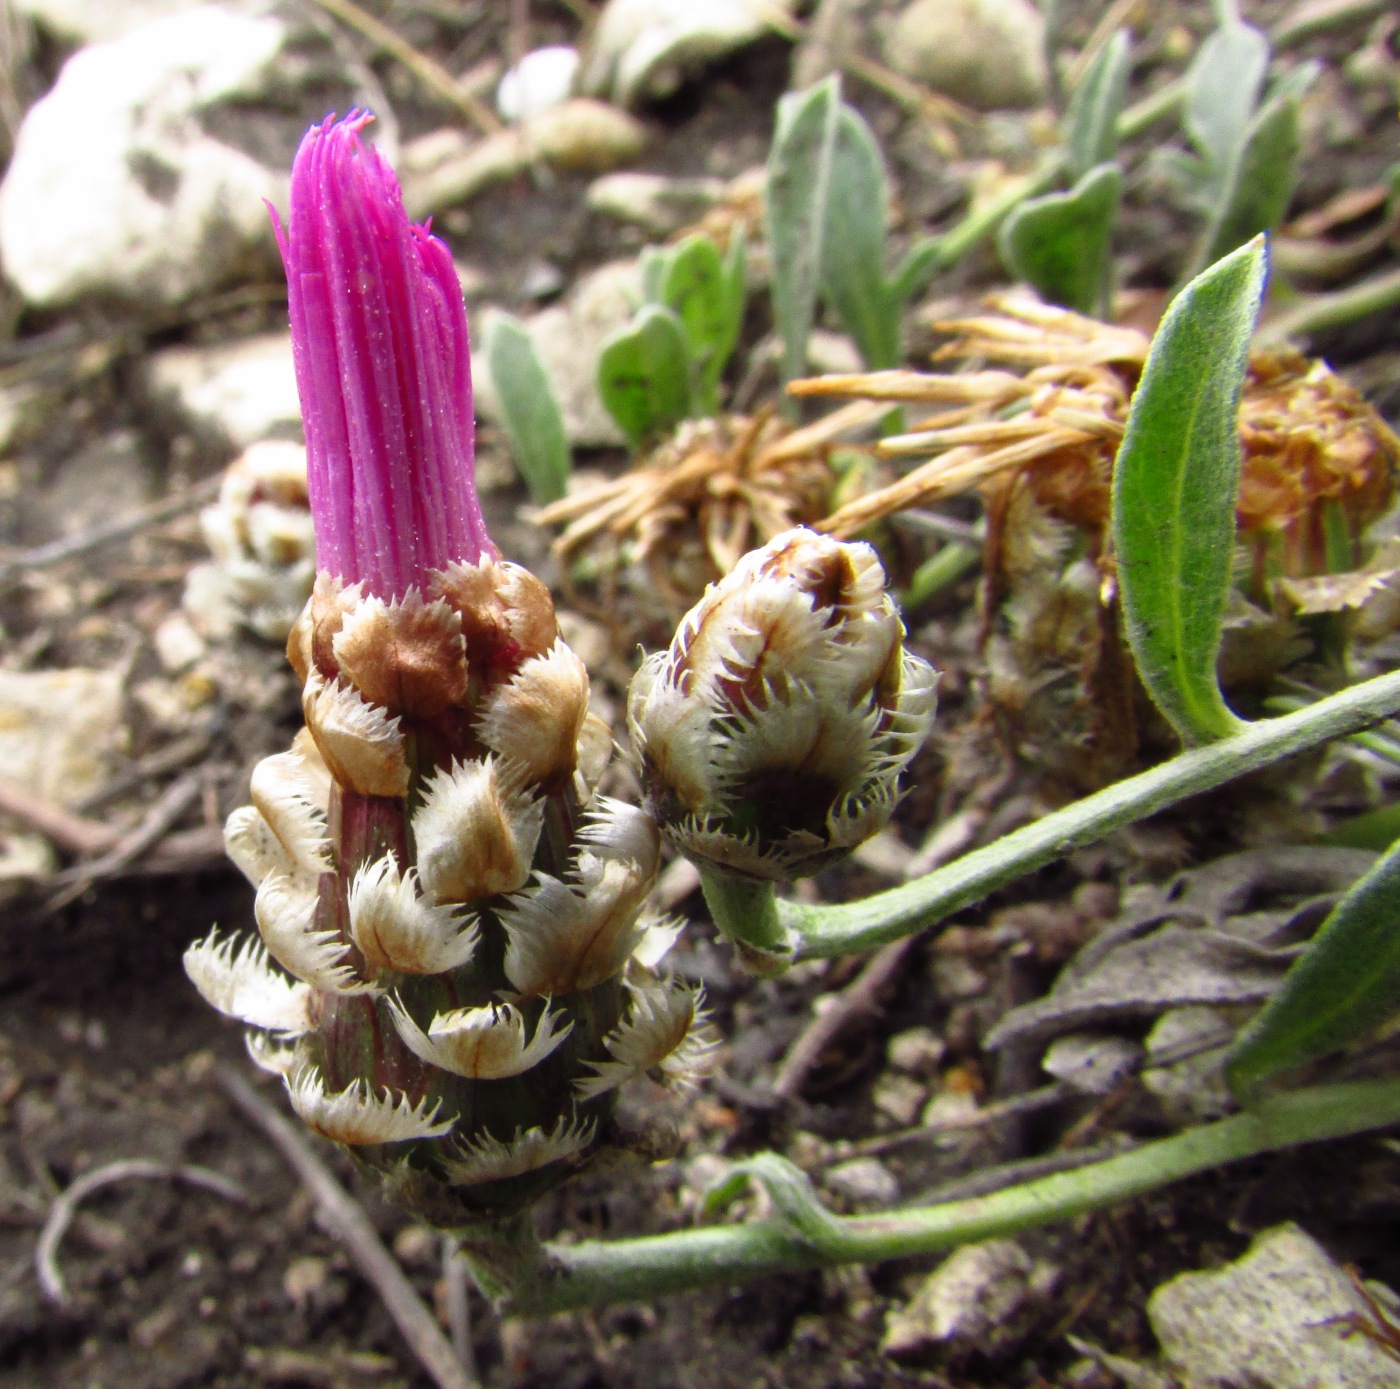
{"type": "Point", "coordinates": [773, 732]}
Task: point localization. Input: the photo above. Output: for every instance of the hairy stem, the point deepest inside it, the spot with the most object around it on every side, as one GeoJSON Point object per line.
{"type": "Point", "coordinates": [852, 926]}
{"type": "Point", "coordinates": [596, 1272]}
{"type": "Point", "coordinates": [747, 913]}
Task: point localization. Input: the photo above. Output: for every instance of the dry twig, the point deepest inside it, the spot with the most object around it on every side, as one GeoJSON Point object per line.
{"type": "Point", "coordinates": [342, 1216]}
{"type": "Point", "coordinates": [173, 802]}
{"type": "Point", "coordinates": [65, 1206]}
{"type": "Point", "coordinates": [428, 71]}
{"type": "Point", "coordinates": [69, 547]}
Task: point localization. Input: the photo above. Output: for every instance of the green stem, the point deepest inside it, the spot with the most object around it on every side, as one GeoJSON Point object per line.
{"type": "Point", "coordinates": [1151, 109]}
{"type": "Point", "coordinates": [747, 913]}
{"type": "Point", "coordinates": [979, 224]}
{"type": "Point", "coordinates": [640, 1270]}
{"type": "Point", "coordinates": [958, 240]}
{"type": "Point", "coordinates": [840, 930]}
{"type": "Point", "coordinates": [1317, 313]}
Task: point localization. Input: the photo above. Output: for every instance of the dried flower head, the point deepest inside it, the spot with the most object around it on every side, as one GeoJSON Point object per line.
{"type": "Point", "coordinates": [773, 732]}
{"type": "Point", "coordinates": [700, 500]}
{"type": "Point", "coordinates": [1035, 428]}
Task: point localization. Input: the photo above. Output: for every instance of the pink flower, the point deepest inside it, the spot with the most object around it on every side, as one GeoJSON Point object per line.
{"type": "Point", "coordinates": [379, 338]}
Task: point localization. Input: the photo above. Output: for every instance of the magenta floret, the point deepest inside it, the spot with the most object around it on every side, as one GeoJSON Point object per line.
{"type": "Point", "coordinates": [379, 338]}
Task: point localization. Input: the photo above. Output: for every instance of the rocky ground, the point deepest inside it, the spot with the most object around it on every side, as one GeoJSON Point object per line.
{"type": "Point", "coordinates": [143, 346]}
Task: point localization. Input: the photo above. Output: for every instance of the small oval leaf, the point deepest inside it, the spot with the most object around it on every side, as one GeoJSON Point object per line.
{"type": "Point", "coordinates": [644, 374]}
{"type": "Point", "coordinates": [1091, 120]}
{"type": "Point", "coordinates": [1175, 484]}
{"type": "Point", "coordinates": [1061, 243]}
{"type": "Point", "coordinates": [1345, 985]}
{"type": "Point", "coordinates": [853, 245]}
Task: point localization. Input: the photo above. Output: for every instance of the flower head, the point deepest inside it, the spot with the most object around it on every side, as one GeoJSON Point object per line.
{"type": "Point", "coordinates": [379, 337]}
{"type": "Point", "coordinates": [773, 732]}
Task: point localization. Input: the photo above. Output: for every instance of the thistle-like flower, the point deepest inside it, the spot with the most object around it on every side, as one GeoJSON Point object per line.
{"type": "Point", "coordinates": [773, 732]}
{"type": "Point", "coordinates": [446, 914]}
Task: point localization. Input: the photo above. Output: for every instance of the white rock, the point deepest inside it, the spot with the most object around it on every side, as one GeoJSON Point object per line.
{"type": "Point", "coordinates": [988, 54]}
{"type": "Point", "coordinates": [233, 394]}
{"type": "Point", "coordinates": [1092, 1064]}
{"type": "Point", "coordinates": [97, 21]}
{"type": "Point", "coordinates": [1193, 1088]}
{"type": "Point", "coordinates": [114, 188]}
{"type": "Point", "coordinates": [865, 1181]}
{"type": "Point", "coordinates": [654, 202]}
{"type": "Point", "coordinates": [569, 337]}
{"type": "Point", "coordinates": [24, 858]}
{"type": "Point", "coordinates": [541, 79]}
{"type": "Point", "coordinates": [58, 729]}
{"type": "Point", "coordinates": [1276, 1317]}
{"type": "Point", "coordinates": [918, 1050]}
{"type": "Point", "coordinates": [646, 48]}
{"type": "Point", "coordinates": [980, 1300]}
{"type": "Point", "coordinates": [445, 168]}
{"type": "Point", "coordinates": [178, 646]}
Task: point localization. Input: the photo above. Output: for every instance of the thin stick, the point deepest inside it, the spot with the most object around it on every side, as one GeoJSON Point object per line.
{"type": "Point", "coordinates": [855, 1001]}
{"type": "Point", "coordinates": [71, 546]}
{"type": "Point", "coordinates": [74, 834]}
{"type": "Point", "coordinates": [862, 995]}
{"type": "Point", "coordinates": [430, 73]}
{"type": "Point", "coordinates": [173, 802]}
{"type": "Point", "coordinates": [171, 758]}
{"type": "Point", "coordinates": [65, 1207]}
{"type": "Point", "coordinates": [456, 1279]}
{"type": "Point", "coordinates": [342, 1216]}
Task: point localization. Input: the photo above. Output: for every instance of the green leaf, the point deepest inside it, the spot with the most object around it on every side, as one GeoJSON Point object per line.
{"type": "Point", "coordinates": [1256, 194]}
{"type": "Point", "coordinates": [1222, 90]}
{"type": "Point", "coordinates": [790, 1193]}
{"type": "Point", "coordinates": [799, 175]}
{"type": "Point", "coordinates": [1062, 243]}
{"type": "Point", "coordinates": [1090, 127]}
{"type": "Point", "coordinates": [1344, 986]}
{"type": "Point", "coordinates": [644, 374]}
{"type": "Point", "coordinates": [698, 286]}
{"type": "Point", "coordinates": [655, 261]}
{"type": "Point", "coordinates": [924, 258]}
{"type": "Point", "coordinates": [853, 245]}
{"type": "Point", "coordinates": [530, 414]}
{"type": "Point", "coordinates": [1175, 485]}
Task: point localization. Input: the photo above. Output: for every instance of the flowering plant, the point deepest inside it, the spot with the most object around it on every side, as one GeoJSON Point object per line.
{"type": "Point", "coordinates": [468, 972]}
